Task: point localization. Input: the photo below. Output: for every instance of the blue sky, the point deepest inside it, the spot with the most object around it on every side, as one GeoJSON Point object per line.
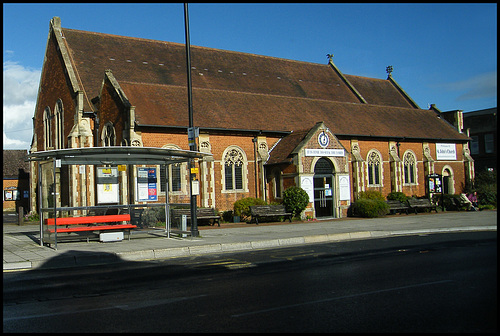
{"type": "Point", "coordinates": [442, 54]}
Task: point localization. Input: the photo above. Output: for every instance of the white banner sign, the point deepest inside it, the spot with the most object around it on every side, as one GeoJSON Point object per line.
{"type": "Point", "coordinates": [324, 152]}
{"type": "Point", "coordinates": [344, 187]}
{"type": "Point", "coordinates": [306, 183]}
{"type": "Point", "coordinates": [445, 151]}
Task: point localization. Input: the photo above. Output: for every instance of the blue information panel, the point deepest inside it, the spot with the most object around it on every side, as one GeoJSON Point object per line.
{"type": "Point", "coordinates": [146, 184]}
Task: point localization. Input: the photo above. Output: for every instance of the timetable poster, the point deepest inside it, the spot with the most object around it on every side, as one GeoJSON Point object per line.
{"type": "Point", "coordinates": [146, 184]}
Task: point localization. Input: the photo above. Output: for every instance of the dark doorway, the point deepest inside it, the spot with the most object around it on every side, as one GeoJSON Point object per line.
{"type": "Point", "coordinates": [323, 188]}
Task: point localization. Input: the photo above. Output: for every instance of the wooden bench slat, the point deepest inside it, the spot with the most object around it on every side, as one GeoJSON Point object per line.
{"type": "Point", "coordinates": [423, 203]}
{"type": "Point", "coordinates": [257, 211]}
{"type": "Point", "coordinates": [94, 228]}
{"type": "Point", "coordinates": [395, 205]}
{"type": "Point", "coordinates": [201, 214]}
{"type": "Point", "coordinates": [88, 219]}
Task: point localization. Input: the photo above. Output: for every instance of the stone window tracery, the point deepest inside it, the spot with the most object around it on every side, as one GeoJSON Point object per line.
{"type": "Point", "coordinates": [374, 168]}
{"type": "Point", "coordinates": [233, 169]}
{"type": "Point", "coordinates": [409, 164]}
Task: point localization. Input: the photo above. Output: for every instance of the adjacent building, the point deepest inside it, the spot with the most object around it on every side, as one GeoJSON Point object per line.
{"type": "Point", "coordinates": [269, 123]}
{"type": "Point", "coordinates": [482, 128]}
{"type": "Point", "coordinates": [16, 174]}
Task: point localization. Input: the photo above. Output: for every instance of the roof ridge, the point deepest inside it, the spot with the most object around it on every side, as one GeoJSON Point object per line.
{"type": "Point", "coordinates": [272, 95]}
{"type": "Point", "coordinates": [193, 46]}
{"type": "Point", "coordinates": [378, 79]}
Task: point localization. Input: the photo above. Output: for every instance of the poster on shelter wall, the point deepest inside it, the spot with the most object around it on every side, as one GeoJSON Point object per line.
{"type": "Point", "coordinates": [107, 185]}
{"type": "Point", "coordinates": [146, 186]}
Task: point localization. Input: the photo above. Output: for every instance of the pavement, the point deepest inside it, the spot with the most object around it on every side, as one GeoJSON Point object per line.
{"type": "Point", "coordinates": [22, 250]}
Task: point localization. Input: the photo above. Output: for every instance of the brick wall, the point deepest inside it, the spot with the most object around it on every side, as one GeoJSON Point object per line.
{"type": "Point", "coordinates": [53, 86]}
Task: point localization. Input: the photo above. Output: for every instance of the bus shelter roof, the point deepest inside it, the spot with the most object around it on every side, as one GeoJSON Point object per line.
{"type": "Point", "coordinates": [116, 155]}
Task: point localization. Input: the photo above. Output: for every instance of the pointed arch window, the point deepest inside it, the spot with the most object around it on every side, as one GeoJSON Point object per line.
{"type": "Point", "coordinates": [410, 170]}
{"type": "Point", "coordinates": [374, 168]}
{"type": "Point", "coordinates": [47, 129]}
{"type": "Point", "coordinates": [59, 133]}
{"type": "Point", "coordinates": [233, 169]}
{"type": "Point", "coordinates": [108, 135]}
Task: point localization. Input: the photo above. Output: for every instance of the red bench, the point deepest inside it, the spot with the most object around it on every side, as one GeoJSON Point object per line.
{"type": "Point", "coordinates": [92, 224]}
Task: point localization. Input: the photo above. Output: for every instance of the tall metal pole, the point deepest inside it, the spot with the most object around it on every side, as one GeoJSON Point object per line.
{"type": "Point", "coordinates": [192, 144]}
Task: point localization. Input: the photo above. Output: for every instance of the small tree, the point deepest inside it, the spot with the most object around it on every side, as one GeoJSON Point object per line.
{"type": "Point", "coordinates": [295, 200]}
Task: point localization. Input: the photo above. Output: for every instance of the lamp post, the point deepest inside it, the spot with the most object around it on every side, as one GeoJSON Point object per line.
{"type": "Point", "coordinates": [192, 144]}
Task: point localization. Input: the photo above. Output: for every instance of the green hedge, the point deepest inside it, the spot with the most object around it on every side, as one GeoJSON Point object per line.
{"type": "Point", "coordinates": [397, 196]}
{"type": "Point", "coordinates": [370, 204]}
{"type": "Point", "coordinates": [241, 207]}
{"type": "Point", "coordinates": [369, 208]}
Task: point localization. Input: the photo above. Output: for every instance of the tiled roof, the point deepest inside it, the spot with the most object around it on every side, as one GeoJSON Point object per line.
{"type": "Point", "coordinates": [157, 62]}
{"type": "Point", "coordinates": [13, 160]}
{"type": "Point", "coordinates": [281, 152]}
{"type": "Point", "coordinates": [167, 105]}
{"type": "Point", "coordinates": [378, 91]}
{"type": "Point", "coordinates": [233, 90]}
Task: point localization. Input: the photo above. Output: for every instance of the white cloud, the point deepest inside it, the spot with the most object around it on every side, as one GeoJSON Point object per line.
{"type": "Point", "coordinates": [14, 143]}
{"type": "Point", "coordinates": [477, 87]}
{"type": "Point", "coordinates": [20, 88]}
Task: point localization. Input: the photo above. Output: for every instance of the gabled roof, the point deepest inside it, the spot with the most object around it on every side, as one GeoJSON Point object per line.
{"type": "Point", "coordinates": [281, 153]}
{"type": "Point", "coordinates": [379, 92]}
{"type": "Point", "coordinates": [233, 90]}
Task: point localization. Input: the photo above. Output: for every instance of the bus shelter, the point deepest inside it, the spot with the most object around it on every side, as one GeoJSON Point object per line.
{"type": "Point", "coordinates": [107, 157]}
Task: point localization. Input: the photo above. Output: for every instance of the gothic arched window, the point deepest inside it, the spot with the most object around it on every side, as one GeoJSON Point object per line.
{"type": "Point", "coordinates": [108, 135]}
{"type": "Point", "coordinates": [233, 169]}
{"type": "Point", "coordinates": [47, 129]}
{"type": "Point", "coordinates": [374, 168]}
{"type": "Point", "coordinates": [410, 171]}
{"type": "Point", "coordinates": [58, 114]}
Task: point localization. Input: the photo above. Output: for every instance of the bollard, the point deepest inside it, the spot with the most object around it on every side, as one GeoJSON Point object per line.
{"type": "Point", "coordinates": [20, 216]}
{"type": "Point", "coordinates": [183, 226]}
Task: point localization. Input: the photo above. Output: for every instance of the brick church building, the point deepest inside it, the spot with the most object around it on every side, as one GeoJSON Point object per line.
{"type": "Point", "coordinates": [269, 123]}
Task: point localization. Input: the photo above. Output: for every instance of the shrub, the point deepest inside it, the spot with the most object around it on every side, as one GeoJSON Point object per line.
{"type": "Point", "coordinates": [485, 184]}
{"type": "Point", "coordinates": [445, 201]}
{"type": "Point", "coordinates": [397, 196]}
{"type": "Point", "coordinates": [241, 207]}
{"type": "Point", "coordinates": [295, 200]}
{"type": "Point", "coordinates": [371, 194]}
{"type": "Point", "coordinates": [487, 198]}
{"type": "Point", "coordinates": [151, 216]}
{"type": "Point", "coordinates": [227, 216]}
{"type": "Point", "coordinates": [369, 208]}
{"type": "Point", "coordinates": [31, 216]}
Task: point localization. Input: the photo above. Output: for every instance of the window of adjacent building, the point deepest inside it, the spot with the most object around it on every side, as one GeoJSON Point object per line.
{"type": "Point", "coordinates": [174, 171]}
{"type": "Point", "coordinates": [108, 135]}
{"type": "Point", "coordinates": [233, 169]}
{"type": "Point", "coordinates": [488, 143]}
{"type": "Point", "coordinates": [277, 183]}
{"type": "Point", "coordinates": [374, 168]}
{"type": "Point", "coordinates": [47, 129]}
{"type": "Point", "coordinates": [410, 172]}
{"type": "Point", "coordinates": [474, 144]}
